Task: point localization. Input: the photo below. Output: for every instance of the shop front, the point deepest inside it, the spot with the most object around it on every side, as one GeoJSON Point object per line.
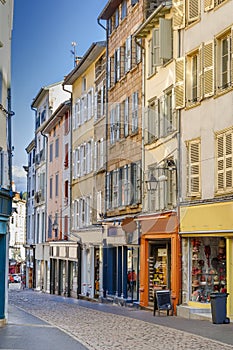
{"type": "Point", "coordinates": [207, 255]}
{"type": "Point", "coordinates": [65, 276]}
{"type": "Point", "coordinates": [121, 260]}
{"type": "Point", "coordinates": [159, 257]}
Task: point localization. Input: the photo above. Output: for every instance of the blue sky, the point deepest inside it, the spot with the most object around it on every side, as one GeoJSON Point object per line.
{"type": "Point", "coordinates": [41, 55]}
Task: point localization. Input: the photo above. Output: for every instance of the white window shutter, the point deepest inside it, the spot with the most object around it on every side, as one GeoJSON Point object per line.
{"type": "Point", "coordinates": [178, 14]}
{"type": "Point", "coordinates": [208, 66]}
{"type": "Point", "coordinates": [193, 10]}
{"type": "Point", "coordinates": [156, 47]}
{"type": "Point", "coordinates": [231, 55]}
{"type": "Point", "coordinates": [165, 38]}
{"type": "Point", "coordinates": [208, 5]}
{"type": "Point", "coordinates": [180, 83]}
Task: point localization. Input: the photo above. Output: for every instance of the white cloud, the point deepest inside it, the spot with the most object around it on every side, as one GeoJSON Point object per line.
{"type": "Point", "coordinates": [19, 178]}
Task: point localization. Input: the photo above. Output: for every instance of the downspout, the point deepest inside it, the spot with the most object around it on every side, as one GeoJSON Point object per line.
{"type": "Point", "coordinates": [9, 148]}
{"type": "Point", "coordinates": [106, 113]}
{"type": "Point", "coordinates": [104, 268]}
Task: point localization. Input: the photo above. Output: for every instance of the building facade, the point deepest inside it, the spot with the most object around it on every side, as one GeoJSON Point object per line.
{"type": "Point", "coordinates": [204, 76]}
{"type": "Point", "coordinates": [30, 216]}
{"type": "Point", "coordinates": [6, 23]}
{"type": "Point", "coordinates": [47, 100]}
{"type": "Point", "coordinates": [84, 228]}
{"type": "Point", "coordinates": [123, 149]}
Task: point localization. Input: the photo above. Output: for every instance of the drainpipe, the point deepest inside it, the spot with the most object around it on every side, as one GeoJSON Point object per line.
{"type": "Point", "coordinates": [106, 150]}
{"type": "Point", "coordinates": [9, 115]}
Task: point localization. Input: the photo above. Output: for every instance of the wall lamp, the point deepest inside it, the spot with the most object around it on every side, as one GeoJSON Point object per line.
{"type": "Point", "coordinates": [152, 183]}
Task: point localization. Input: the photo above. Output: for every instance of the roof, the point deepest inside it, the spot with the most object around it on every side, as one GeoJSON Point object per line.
{"type": "Point", "coordinates": [89, 57]}
{"type": "Point", "coordinates": [42, 93]}
{"type": "Point", "coordinates": [55, 117]}
{"type": "Point", "coordinates": [109, 9]}
{"type": "Point", "coordinates": [149, 24]}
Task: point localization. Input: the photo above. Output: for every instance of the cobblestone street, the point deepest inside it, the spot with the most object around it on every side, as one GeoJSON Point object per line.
{"type": "Point", "coordinates": [107, 331]}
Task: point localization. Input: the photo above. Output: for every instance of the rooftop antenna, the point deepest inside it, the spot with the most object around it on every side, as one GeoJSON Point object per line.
{"type": "Point", "coordinates": [74, 44]}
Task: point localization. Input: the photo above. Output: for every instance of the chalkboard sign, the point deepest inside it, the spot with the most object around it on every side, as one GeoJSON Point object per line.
{"type": "Point", "coordinates": [162, 301]}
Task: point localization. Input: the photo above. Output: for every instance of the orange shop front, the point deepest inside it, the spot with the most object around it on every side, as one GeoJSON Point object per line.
{"type": "Point", "coordinates": [160, 259]}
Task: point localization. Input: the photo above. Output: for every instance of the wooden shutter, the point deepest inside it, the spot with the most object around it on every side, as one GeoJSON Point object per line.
{"type": "Point", "coordinates": [193, 163]}
{"type": "Point", "coordinates": [193, 10]}
{"type": "Point", "coordinates": [220, 162]}
{"type": "Point", "coordinates": [231, 55]}
{"type": "Point", "coordinates": [200, 74]}
{"type": "Point", "coordinates": [122, 61]}
{"type": "Point", "coordinates": [155, 47]}
{"type": "Point", "coordinates": [208, 5]}
{"type": "Point", "coordinates": [228, 160]}
{"type": "Point", "coordinates": [208, 69]}
{"type": "Point", "coordinates": [180, 83]}
{"type": "Point", "coordinates": [165, 38]}
{"type": "Point", "coordinates": [178, 14]}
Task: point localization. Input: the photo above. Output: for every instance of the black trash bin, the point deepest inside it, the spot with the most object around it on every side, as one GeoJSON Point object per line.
{"type": "Point", "coordinates": [219, 307]}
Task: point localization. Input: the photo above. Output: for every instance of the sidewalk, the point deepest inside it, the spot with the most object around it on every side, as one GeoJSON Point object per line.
{"type": "Point", "coordinates": [26, 332]}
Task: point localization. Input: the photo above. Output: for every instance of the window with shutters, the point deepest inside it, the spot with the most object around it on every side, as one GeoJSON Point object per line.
{"type": "Point", "coordinates": [66, 158]}
{"type": "Point", "coordinates": [151, 67]}
{"type": "Point", "coordinates": [194, 72]}
{"type": "Point", "coordinates": [224, 158]}
{"type": "Point", "coordinates": [83, 212]}
{"type": "Point", "coordinates": [117, 61]}
{"type": "Point", "coordinates": [211, 4]}
{"type": "Point", "coordinates": [123, 9]}
{"type": "Point", "coordinates": [115, 124]}
{"type": "Point", "coordinates": [125, 110]}
{"type": "Point", "coordinates": [135, 112]}
{"type": "Point", "coordinates": [208, 69]}
{"type": "Point", "coordinates": [90, 102]}
{"type": "Point", "coordinates": [193, 10]}
{"type": "Point", "coordinates": [193, 168]}
{"type": "Point", "coordinates": [224, 60]}
{"type": "Point", "coordinates": [128, 54]}
{"type": "Point", "coordinates": [180, 83]}
{"type": "Point", "coordinates": [116, 17]}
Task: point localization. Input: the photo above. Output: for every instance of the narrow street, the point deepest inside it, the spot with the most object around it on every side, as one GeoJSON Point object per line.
{"type": "Point", "coordinates": [106, 327]}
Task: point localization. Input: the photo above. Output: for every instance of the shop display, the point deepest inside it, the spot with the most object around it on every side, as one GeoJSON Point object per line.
{"type": "Point", "coordinates": [208, 267]}
{"type": "Point", "coordinates": [157, 271]}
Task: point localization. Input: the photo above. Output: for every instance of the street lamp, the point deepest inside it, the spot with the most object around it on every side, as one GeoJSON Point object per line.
{"type": "Point", "coordinates": [152, 183]}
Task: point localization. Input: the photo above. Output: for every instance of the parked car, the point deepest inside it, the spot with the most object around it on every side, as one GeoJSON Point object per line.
{"type": "Point", "coordinates": [17, 278]}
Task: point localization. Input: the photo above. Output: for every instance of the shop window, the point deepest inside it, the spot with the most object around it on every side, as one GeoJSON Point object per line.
{"type": "Point", "coordinates": [208, 267]}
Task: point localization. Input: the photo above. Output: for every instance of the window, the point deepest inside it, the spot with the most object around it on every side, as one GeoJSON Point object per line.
{"type": "Point", "coordinates": [90, 104]}
{"type": "Point", "coordinates": [124, 186]}
{"type": "Point", "coordinates": [151, 67]}
{"type": "Point", "coordinates": [66, 192]}
{"type": "Point", "coordinates": [117, 59]}
{"type": "Point", "coordinates": [82, 211]}
{"type": "Point", "coordinates": [224, 166]}
{"type": "Point", "coordinates": [135, 112]}
{"type": "Point", "coordinates": [109, 26]}
{"type": "Point", "coordinates": [117, 18]}
{"type": "Point", "coordinates": [193, 168]}
{"type": "Point", "coordinates": [57, 148]}
{"type": "Point", "coordinates": [83, 109]}
{"type": "Point", "coordinates": [76, 115]}
{"type": "Point", "coordinates": [162, 42]}
{"type": "Point", "coordinates": [152, 132]}
{"type": "Point", "coordinates": [66, 123]}
{"type": "Point", "coordinates": [100, 103]}
{"type": "Point", "coordinates": [123, 9]}
{"type": "Point", "coordinates": [84, 84]}
{"type": "Point", "coordinates": [169, 112]}
{"type": "Point", "coordinates": [128, 54]}
{"type": "Point", "coordinates": [115, 124]}
{"type": "Point", "coordinates": [51, 152]}
{"type": "Point", "coordinates": [209, 5]}
{"type": "Point", "coordinates": [126, 116]}
{"type": "Point", "coordinates": [66, 161]}
{"type": "Point", "coordinates": [134, 2]}
{"type": "Point", "coordinates": [43, 116]}
{"type": "Point", "coordinates": [224, 61]}
{"type": "Point", "coordinates": [164, 195]}
{"type": "Point", "coordinates": [56, 185]}
{"type": "Point", "coordinates": [51, 188]}
{"type": "Point", "coordinates": [194, 71]}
